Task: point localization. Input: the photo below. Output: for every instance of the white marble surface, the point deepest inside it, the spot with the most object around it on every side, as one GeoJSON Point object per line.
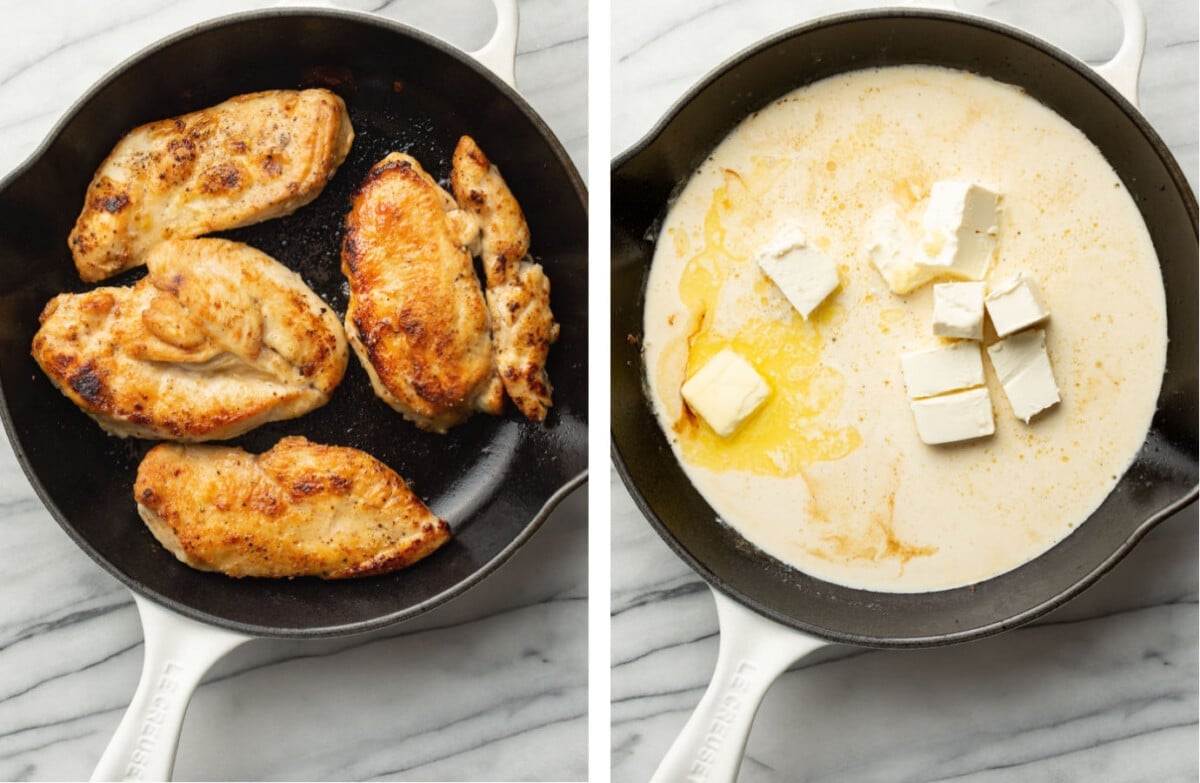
{"type": "Point", "coordinates": [1104, 689]}
{"type": "Point", "coordinates": [492, 686]}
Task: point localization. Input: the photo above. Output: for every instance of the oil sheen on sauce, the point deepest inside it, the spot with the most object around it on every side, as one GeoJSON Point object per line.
{"type": "Point", "coordinates": [829, 475]}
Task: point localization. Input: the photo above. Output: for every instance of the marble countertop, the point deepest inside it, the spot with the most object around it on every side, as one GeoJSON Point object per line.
{"type": "Point", "coordinates": [1103, 689]}
{"type": "Point", "coordinates": [492, 686]}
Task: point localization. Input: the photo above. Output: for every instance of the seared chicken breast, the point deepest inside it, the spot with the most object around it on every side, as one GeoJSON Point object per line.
{"type": "Point", "coordinates": [300, 509]}
{"type": "Point", "coordinates": [215, 340]}
{"type": "Point", "coordinates": [416, 316]}
{"type": "Point", "coordinates": [518, 291]}
{"type": "Point", "coordinates": [249, 159]}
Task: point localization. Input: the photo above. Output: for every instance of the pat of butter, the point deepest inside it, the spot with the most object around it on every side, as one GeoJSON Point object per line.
{"type": "Point", "coordinates": [725, 391]}
{"type": "Point", "coordinates": [1015, 304]}
{"type": "Point", "coordinates": [959, 230]}
{"type": "Point", "coordinates": [1023, 367]}
{"type": "Point", "coordinates": [804, 274]}
{"type": "Point", "coordinates": [963, 415]}
{"type": "Point", "coordinates": [940, 370]}
{"type": "Point", "coordinates": [958, 310]}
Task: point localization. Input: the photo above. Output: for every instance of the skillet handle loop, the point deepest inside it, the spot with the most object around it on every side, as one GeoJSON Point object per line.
{"type": "Point", "coordinates": [178, 652]}
{"type": "Point", "coordinates": [1123, 69]}
{"type": "Point", "coordinates": [754, 651]}
{"type": "Point", "coordinates": [499, 54]}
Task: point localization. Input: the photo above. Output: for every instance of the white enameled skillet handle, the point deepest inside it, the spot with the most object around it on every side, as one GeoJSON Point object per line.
{"type": "Point", "coordinates": [178, 652]}
{"type": "Point", "coordinates": [498, 55]}
{"type": "Point", "coordinates": [1123, 69]}
{"type": "Point", "coordinates": [754, 651]}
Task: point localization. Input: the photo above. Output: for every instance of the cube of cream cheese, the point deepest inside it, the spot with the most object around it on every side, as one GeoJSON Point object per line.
{"type": "Point", "coordinates": [958, 310]}
{"type": "Point", "coordinates": [725, 391]}
{"type": "Point", "coordinates": [804, 274]}
{"type": "Point", "coordinates": [891, 251]}
{"type": "Point", "coordinates": [940, 370]}
{"type": "Point", "coordinates": [1015, 304]}
{"type": "Point", "coordinates": [963, 415]}
{"type": "Point", "coordinates": [959, 230]}
{"type": "Point", "coordinates": [1023, 367]}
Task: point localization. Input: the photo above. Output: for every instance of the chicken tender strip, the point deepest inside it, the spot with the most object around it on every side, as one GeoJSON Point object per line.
{"type": "Point", "coordinates": [300, 509]}
{"type": "Point", "coordinates": [416, 317]}
{"type": "Point", "coordinates": [249, 159]}
{"type": "Point", "coordinates": [216, 340]}
{"type": "Point", "coordinates": [518, 291]}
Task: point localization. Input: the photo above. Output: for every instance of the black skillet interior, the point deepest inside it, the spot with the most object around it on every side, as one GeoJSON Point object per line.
{"type": "Point", "coordinates": [1162, 478]}
{"type": "Point", "coordinates": [492, 478]}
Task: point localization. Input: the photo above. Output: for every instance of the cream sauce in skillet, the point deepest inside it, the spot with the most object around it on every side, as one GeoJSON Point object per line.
{"type": "Point", "coordinates": [830, 476]}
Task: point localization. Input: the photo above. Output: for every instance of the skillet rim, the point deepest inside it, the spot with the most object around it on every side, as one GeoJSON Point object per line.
{"type": "Point", "coordinates": [1085, 581]}
{"type": "Point", "coordinates": [52, 137]}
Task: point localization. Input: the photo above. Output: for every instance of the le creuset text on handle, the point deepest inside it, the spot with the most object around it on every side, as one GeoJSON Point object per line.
{"type": "Point", "coordinates": [178, 652]}
{"type": "Point", "coordinates": [754, 651]}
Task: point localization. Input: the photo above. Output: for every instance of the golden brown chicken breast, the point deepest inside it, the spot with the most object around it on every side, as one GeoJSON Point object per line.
{"type": "Point", "coordinates": [300, 509]}
{"type": "Point", "coordinates": [416, 316]}
{"type": "Point", "coordinates": [217, 339]}
{"type": "Point", "coordinates": [249, 159]}
{"type": "Point", "coordinates": [518, 291]}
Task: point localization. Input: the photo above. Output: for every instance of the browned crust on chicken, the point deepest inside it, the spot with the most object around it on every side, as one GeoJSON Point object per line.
{"type": "Point", "coordinates": [416, 316]}
{"type": "Point", "coordinates": [479, 188]}
{"type": "Point", "coordinates": [518, 291]}
{"type": "Point", "coordinates": [300, 509]}
{"type": "Point", "coordinates": [252, 158]}
{"type": "Point", "coordinates": [523, 329]}
{"type": "Point", "coordinates": [217, 339]}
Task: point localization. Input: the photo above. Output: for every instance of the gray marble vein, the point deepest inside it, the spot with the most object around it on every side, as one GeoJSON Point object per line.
{"type": "Point", "coordinates": [1103, 689]}
{"type": "Point", "coordinates": [492, 686]}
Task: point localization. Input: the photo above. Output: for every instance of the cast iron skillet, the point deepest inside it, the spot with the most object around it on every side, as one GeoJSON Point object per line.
{"type": "Point", "coordinates": [495, 479]}
{"type": "Point", "coordinates": [1163, 477]}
